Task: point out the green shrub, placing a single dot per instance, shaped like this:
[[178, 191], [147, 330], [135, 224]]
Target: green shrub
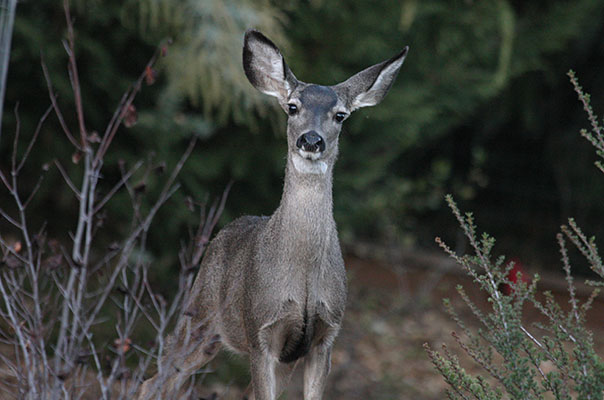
[[512, 354]]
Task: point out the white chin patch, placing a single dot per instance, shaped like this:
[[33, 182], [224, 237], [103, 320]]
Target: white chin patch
[[309, 155], [307, 163]]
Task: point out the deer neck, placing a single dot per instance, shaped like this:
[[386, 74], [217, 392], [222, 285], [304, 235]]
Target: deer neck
[[304, 219]]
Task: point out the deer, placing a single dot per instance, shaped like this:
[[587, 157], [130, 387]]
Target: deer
[[275, 288]]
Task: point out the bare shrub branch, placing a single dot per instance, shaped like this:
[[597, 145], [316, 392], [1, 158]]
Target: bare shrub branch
[[55, 296]]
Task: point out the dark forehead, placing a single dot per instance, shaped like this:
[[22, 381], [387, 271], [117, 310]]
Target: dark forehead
[[317, 96]]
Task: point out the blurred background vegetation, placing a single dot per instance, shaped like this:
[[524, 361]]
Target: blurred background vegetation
[[482, 109]]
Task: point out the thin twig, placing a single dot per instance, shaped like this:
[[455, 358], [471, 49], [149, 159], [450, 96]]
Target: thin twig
[[34, 138], [73, 75], [115, 188], [34, 191], [9, 218], [123, 106], [16, 140], [67, 179], [55, 106], [5, 181]]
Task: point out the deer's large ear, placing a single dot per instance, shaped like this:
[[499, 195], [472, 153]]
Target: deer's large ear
[[265, 67], [369, 87]]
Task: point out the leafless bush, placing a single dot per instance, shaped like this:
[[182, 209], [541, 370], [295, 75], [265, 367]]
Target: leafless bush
[[56, 296]]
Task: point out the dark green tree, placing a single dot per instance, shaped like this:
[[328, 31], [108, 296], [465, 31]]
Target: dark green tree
[[474, 112]]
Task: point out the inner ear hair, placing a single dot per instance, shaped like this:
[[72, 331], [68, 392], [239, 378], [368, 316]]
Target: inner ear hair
[[265, 66], [370, 86]]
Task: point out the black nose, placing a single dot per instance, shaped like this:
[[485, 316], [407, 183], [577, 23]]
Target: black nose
[[311, 141]]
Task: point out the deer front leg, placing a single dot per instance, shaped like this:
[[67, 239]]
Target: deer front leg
[[283, 373], [262, 366], [316, 368]]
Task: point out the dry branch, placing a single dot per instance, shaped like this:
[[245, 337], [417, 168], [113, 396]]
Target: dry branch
[[52, 298]]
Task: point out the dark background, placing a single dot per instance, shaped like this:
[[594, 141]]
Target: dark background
[[482, 109]]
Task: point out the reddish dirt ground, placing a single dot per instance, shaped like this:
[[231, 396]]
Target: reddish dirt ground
[[393, 309]]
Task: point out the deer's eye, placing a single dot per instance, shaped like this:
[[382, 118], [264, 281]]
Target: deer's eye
[[339, 117], [292, 109]]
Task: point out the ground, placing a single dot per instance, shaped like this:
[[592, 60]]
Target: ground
[[394, 308]]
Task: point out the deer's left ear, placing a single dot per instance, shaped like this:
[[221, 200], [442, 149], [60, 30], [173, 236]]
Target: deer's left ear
[[369, 87], [265, 67]]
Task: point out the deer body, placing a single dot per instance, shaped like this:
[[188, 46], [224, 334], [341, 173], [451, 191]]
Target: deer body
[[274, 288]]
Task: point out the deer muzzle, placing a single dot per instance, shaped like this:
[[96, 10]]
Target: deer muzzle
[[311, 142]]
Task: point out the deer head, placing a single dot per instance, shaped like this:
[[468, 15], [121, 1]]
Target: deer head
[[315, 112]]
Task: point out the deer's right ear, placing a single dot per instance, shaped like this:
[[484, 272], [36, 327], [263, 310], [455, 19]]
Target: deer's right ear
[[265, 67]]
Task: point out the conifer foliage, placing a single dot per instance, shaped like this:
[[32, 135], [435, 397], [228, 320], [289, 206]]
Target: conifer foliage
[[205, 67]]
